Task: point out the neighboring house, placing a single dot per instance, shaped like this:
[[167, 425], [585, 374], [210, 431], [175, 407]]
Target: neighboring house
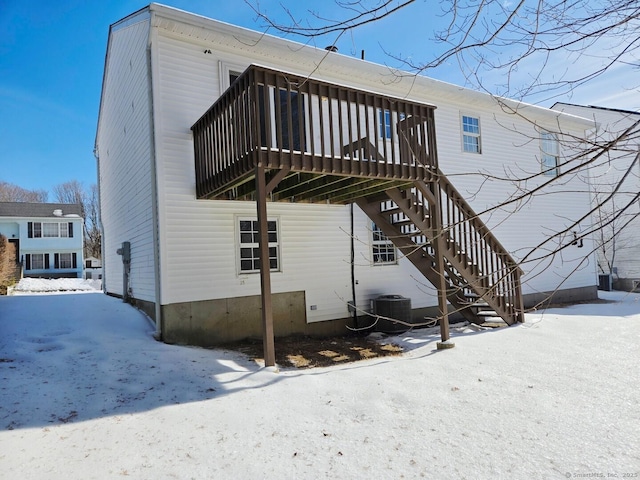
[[48, 237], [618, 169], [92, 268], [345, 152]]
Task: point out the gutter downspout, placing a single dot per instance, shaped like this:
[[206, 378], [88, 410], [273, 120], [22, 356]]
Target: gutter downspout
[[353, 270], [154, 187]]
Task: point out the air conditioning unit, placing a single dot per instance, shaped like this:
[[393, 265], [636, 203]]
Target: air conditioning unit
[[395, 307], [605, 282]]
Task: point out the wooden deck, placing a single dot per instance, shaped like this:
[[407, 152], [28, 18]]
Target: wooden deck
[[323, 142], [277, 136]]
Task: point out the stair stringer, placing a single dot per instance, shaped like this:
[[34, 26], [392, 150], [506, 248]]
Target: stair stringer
[[417, 254]]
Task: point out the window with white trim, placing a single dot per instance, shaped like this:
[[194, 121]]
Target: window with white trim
[[50, 229], [66, 260], [550, 153], [37, 261], [384, 117], [386, 120], [248, 235], [383, 249], [471, 134]]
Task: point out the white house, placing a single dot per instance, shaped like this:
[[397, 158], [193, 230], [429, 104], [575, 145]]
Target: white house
[[92, 268], [617, 170], [48, 237], [353, 168]]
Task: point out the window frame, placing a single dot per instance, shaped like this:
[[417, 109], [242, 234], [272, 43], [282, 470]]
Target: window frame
[[549, 161], [46, 230], [32, 261], [381, 242], [225, 70], [274, 246], [62, 261], [476, 136]]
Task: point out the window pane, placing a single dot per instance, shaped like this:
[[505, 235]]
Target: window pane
[[64, 230], [471, 144], [470, 124], [249, 239], [37, 261], [65, 260], [49, 229]]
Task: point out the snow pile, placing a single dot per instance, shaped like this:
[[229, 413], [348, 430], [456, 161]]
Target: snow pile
[[85, 392], [31, 286]]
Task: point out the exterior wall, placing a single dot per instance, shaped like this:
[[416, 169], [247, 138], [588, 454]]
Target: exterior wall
[[198, 245], [619, 240], [124, 149], [199, 256]]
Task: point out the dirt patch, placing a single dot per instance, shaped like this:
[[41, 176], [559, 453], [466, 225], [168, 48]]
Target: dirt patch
[[309, 352]]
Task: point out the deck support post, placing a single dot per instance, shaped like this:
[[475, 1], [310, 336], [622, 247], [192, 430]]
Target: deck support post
[[265, 270]]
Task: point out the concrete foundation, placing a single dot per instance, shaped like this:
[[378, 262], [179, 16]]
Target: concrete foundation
[[210, 323], [216, 322], [627, 284]]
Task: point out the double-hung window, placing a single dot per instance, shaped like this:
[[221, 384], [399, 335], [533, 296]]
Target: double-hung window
[[65, 260], [249, 252], [471, 134], [550, 153], [37, 261], [50, 229], [384, 252]]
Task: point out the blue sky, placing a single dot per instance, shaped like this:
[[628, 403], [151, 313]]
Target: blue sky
[[52, 57]]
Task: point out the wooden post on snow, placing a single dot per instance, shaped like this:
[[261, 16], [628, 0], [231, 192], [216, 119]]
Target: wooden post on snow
[[265, 270]]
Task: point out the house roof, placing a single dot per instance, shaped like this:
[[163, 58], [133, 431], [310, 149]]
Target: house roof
[[595, 107], [359, 73], [40, 210]]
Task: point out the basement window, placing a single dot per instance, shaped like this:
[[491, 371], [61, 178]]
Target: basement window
[[249, 253], [383, 249]]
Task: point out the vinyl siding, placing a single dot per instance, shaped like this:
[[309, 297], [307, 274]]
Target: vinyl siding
[[124, 150], [198, 245], [197, 239], [605, 175]]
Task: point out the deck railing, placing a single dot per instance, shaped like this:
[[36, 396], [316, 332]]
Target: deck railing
[[285, 121]]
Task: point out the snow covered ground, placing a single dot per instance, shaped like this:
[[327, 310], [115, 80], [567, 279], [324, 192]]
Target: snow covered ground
[[86, 393]]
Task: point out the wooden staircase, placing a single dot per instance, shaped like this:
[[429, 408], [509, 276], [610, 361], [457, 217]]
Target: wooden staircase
[[281, 137], [435, 228]]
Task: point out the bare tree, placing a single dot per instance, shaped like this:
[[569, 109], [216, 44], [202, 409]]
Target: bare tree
[[531, 51], [74, 192], [13, 193], [534, 48]]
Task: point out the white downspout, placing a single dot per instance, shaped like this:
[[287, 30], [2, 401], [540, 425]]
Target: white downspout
[[154, 185]]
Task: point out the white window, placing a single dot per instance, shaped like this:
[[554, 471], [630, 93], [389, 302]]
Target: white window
[[249, 251], [384, 116], [37, 261], [386, 120], [550, 153], [66, 260], [384, 252], [50, 229], [471, 134]]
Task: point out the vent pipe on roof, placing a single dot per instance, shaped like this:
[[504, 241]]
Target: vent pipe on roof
[[57, 212]]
